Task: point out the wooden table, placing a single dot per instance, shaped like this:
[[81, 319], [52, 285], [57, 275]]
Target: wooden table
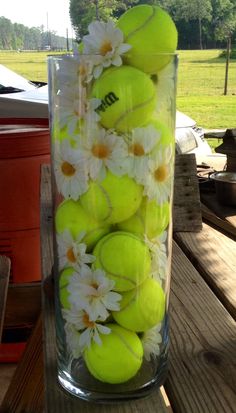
[[202, 359]]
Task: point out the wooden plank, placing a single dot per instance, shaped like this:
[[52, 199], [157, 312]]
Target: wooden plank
[[224, 212], [187, 206], [23, 304], [26, 390], [7, 371], [213, 254], [58, 400], [202, 372], [221, 224], [4, 280]]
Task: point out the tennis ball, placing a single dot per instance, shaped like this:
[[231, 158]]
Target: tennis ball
[[128, 98], [150, 31], [71, 216], [124, 257], [118, 358], [141, 308], [150, 219], [113, 199], [166, 136], [63, 284]]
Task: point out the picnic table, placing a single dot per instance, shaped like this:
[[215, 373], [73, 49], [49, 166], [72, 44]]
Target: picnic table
[[202, 357]]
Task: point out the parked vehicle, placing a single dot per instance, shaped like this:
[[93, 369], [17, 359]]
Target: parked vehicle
[[20, 97]]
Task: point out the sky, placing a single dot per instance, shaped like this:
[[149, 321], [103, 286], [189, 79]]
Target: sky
[[52, 14]]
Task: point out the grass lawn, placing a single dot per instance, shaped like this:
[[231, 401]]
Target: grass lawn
[[201, 76]]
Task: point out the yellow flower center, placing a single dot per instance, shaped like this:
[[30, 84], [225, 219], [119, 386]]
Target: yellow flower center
[[70, 255], [137, 149], [87, 322], [67, 169], [105, 48], [100, 151], [161, 173]]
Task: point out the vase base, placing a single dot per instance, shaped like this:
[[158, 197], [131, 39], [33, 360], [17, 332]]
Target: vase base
[[92, 390]]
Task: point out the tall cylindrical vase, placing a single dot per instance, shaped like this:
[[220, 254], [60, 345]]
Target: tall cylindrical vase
[[113, 145]]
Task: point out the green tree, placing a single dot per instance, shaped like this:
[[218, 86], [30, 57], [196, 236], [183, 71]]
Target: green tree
[[6, 33], [84, 12], [194, 10]]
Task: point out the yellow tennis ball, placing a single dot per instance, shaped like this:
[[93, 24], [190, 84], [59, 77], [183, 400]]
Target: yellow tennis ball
[[72, 217], [128, 98], [125, 258], [150, 31], [63, 284], [118, 358], [141, 308], [150, 219], [113, 199], [166, 136]]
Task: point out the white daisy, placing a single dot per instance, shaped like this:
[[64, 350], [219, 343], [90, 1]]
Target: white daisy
[[103, 149], [140, 145], [74, 107], [72, 252], [105, 42], [158, 181], [70, 171], [158, 251], [91, 330], [74, 70], [92, 291], [72, 340], [151, 341]]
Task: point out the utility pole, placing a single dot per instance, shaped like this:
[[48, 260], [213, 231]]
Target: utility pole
[[227, 64], [67, 41]]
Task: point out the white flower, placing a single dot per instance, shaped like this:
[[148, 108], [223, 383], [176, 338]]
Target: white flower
[[72, 340], [74, 70], [70, 171], [91, 330], [92, 292], [105, 42], [71, 252], [158, 181], [157, 247], [140, 145], [74, 108], [103, 149], [151, 341]]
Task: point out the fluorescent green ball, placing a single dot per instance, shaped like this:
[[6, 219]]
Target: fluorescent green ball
[[112, 200], [72, 217], [128, 98], [150, 219], [118, 358], [63, 284], [141, 308], [125, 258], [166, 135], [150, 31]]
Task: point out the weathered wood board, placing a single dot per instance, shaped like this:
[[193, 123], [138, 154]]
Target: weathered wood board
[[186, 205], [202, 372]]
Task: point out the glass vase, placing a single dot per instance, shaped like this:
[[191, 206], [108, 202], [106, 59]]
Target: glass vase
[[112, 151]]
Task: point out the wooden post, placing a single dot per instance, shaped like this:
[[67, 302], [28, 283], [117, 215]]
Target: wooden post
[[227, 64]]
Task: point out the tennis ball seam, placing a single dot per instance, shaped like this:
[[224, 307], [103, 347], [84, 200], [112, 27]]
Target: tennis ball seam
[[133, 109], [119, 276], [142, 25], [109, 204], [126, 344]]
